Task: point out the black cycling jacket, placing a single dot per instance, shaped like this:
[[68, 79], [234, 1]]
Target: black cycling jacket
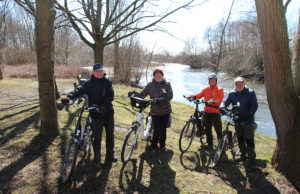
[[99, 92]]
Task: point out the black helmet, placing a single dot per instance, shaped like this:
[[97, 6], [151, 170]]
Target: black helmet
[[212, 76]]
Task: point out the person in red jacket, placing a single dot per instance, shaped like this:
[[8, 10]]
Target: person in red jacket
[[214, 95]]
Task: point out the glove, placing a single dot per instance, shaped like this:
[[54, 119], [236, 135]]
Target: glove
[[222, 110], [65, 100], [156, 101], [132, 94], [102, 110], [164, 94]]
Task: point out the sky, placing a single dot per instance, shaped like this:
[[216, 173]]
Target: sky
[[191, 24]]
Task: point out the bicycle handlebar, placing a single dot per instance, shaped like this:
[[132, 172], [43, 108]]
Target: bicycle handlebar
[[232, 113], [197, 101], [94, 107]]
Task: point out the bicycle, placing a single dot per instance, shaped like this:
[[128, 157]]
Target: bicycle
[[227, 140], [188, 131], [130, 142], [80, 139]]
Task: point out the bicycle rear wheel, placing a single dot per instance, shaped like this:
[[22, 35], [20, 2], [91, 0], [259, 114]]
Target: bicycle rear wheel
[[128, 146], [220, 150], [69, 160], [187, 135]]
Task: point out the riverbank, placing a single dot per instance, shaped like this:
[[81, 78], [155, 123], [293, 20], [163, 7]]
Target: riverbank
[[185, 81], [31, 163]]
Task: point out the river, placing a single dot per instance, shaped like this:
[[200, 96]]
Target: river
[[185, 81]]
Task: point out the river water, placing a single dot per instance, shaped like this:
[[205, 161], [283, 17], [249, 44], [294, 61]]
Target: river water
[[185, 81]]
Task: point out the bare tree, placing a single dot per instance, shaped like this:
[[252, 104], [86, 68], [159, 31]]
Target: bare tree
[[192, 50], [3, 13], [282, 98], [45, 16], [98, 22], [222, 38]]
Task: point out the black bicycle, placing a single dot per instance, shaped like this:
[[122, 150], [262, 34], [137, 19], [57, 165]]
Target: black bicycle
[[80, 139], [189, 130], [227, 140]]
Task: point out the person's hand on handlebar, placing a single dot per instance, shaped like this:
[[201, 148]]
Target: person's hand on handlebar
[[210, 102], [132, 94]]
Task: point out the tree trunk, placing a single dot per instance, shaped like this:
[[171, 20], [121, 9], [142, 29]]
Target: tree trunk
[[98, 52], [1, 76], [296, 60], [45, 15], [281, 93], [117, 65]]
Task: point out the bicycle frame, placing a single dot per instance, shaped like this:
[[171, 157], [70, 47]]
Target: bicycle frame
[[139, 125]]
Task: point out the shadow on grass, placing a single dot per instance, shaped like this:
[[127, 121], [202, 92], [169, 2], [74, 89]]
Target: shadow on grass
[[20, 112], [34, 150], [86, 179], [162, 177], [252, 181], [18, 128], [196, 162], [34, 101]]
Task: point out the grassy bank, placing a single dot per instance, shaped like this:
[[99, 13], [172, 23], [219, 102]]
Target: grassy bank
[[31, 163]]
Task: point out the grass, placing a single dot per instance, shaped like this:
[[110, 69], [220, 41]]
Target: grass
[[31, 163]]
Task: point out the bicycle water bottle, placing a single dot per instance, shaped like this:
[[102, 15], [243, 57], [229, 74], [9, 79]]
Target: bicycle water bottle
[[149, 123]]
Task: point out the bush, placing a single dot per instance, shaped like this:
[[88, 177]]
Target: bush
[[17, 56], [30, 71]]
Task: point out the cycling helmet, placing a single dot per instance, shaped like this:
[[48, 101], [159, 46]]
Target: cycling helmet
[[212, 76]]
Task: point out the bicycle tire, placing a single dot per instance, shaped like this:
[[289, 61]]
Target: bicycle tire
[[69, 160], [187, 135], [220, 150], [88, 142], [128, 146]]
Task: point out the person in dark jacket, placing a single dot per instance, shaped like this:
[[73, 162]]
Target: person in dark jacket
[[245, 125], [100, 92], [160, 112]]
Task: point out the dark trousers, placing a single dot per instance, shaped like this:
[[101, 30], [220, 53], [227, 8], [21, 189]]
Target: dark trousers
[[209, 121], [245, 135], [160, 130], [97, 128]]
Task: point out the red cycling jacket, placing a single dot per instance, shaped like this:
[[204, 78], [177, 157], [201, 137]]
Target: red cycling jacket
[[216, 93]]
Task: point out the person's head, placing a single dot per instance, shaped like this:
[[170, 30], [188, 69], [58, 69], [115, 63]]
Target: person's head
[[239, 84], [158, 75], [212, 79], [98, 70]]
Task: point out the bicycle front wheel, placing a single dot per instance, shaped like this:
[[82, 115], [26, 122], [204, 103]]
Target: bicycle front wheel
[[187, 135], [220, 150], [69, 161], [128, 146]]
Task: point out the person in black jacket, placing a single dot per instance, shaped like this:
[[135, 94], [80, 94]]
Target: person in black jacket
[[100, 92], [245, 125]]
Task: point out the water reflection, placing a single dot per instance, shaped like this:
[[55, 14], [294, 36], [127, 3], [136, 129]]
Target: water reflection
[[185, 80]]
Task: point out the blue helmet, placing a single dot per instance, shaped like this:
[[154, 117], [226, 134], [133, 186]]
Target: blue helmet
[[212, 76]]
